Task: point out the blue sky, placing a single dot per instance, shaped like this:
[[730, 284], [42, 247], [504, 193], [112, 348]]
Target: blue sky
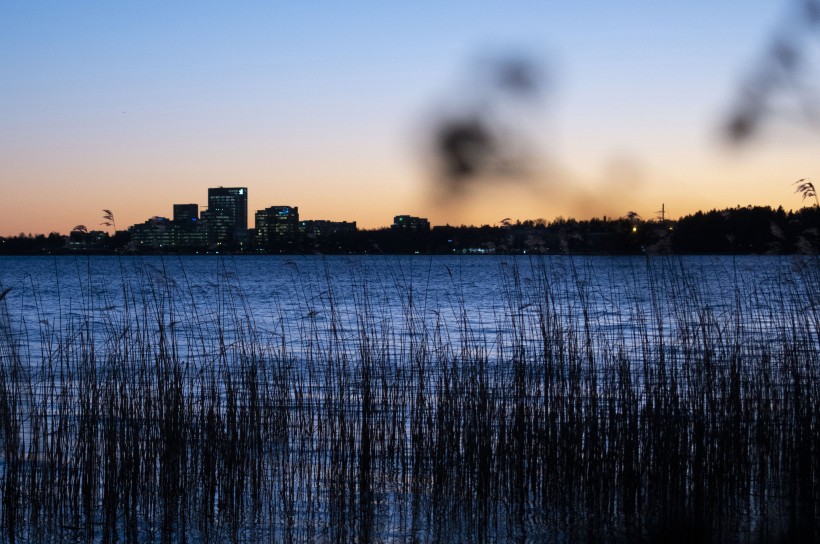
[[135, 106]]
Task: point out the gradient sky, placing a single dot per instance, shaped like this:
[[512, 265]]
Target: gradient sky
[[328, 105]]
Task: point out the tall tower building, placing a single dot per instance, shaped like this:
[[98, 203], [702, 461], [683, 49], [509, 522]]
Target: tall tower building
[[227, 215]]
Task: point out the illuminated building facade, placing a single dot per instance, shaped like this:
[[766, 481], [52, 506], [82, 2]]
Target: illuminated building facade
[[410, 223], [227, 216], [277, 225]]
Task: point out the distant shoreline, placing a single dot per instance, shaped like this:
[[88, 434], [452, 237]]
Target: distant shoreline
[[751, 230]]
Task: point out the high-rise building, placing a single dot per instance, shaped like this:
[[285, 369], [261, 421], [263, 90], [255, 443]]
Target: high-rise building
[[410, 223], [156, 233], [159, 233], [227, 215], [189, 232], [186, 213], [277, 225]]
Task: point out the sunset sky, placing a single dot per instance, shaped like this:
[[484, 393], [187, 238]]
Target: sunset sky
[[329, 106]]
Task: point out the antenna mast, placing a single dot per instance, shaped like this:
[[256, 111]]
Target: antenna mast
[[662, 213]]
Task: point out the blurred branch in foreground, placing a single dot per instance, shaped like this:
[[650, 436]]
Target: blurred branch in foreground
[[481, 135], [784, 83]]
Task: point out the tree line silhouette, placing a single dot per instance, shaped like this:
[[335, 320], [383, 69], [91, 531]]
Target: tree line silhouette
[[740, 230]]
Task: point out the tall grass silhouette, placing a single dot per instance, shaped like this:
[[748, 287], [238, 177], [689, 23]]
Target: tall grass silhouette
[[153, 413]]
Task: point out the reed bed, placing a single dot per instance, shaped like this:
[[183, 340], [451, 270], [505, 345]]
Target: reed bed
[[143, 414]]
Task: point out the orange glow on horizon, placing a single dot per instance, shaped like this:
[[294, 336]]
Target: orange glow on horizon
[[37, 208]]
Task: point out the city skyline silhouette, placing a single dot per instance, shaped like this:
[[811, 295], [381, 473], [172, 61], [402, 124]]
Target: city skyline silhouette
[[463, 114]]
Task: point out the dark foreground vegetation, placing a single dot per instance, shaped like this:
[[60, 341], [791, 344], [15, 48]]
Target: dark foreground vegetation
[[734, 231], [159, 419]]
